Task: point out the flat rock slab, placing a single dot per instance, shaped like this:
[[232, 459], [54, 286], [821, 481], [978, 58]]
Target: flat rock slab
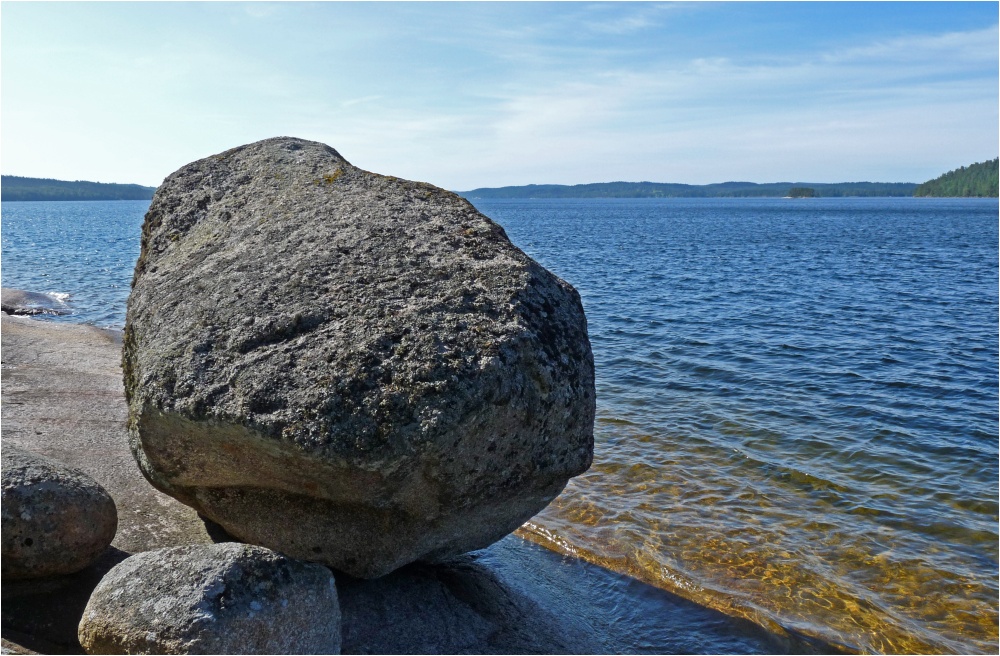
[[348, 367], [63, 398], [56, 520], [213, 599]]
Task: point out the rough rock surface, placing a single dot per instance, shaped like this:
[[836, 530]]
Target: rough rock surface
[[217, 599], [347, 367], [56, 519]]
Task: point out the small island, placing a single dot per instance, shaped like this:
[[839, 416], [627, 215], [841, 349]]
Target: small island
[[801, 192]]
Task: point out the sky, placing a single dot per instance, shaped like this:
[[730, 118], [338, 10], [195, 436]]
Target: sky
[[467, 95]]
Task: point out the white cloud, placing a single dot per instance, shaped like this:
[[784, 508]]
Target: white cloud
[[948, 49], [490, 102], [853, 114], [260, 10], [359, 101]]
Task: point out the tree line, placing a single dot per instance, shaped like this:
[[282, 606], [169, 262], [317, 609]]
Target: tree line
[[14, 187], [980, 179]]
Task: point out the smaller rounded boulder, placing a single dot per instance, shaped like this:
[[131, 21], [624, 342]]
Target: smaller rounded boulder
[[225, 598], [56, 520]]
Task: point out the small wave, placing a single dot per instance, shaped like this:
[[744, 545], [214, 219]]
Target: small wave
[[617, 421], [793, 347], [550, 539], [62, 297]]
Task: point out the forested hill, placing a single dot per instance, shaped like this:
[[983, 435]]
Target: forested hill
[[979, 179], [673, 190], [13, 187]]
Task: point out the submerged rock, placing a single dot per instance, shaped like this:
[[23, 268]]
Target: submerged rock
[[17, 301], [215, 599], [456, 607], [55, 519], [348, 367]]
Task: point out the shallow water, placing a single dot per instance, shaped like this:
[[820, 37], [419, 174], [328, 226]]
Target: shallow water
[[797, 408], [797, 400], [80, 252]]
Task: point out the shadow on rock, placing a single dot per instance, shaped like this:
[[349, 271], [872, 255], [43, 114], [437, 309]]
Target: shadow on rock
[[43, 614], [459, 607], [215, 532]]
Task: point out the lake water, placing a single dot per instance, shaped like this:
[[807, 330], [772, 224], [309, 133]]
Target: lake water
[[80, 251], [797, 414]]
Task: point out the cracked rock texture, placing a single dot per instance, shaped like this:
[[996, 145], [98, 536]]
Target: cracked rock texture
[[56, 520], [213, 599], [347, 367]]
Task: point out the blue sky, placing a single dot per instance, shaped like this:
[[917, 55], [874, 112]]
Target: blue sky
[[468, 95]]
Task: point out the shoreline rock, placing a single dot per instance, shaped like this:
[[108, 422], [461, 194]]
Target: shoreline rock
[[56, 520], [213, 599], [63, 399], [457, 607]]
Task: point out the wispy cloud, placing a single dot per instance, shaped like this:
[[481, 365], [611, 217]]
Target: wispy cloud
[[351, 102], [947, 49], [633, 17], [634, 21], [466, 95], [790, 118], [838, 114], [260, 10]]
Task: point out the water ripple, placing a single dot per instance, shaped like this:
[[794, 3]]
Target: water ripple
[[797, 408], [797, 401]]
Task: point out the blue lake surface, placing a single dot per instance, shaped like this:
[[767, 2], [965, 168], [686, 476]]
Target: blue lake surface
[[80, 251], [797, 413]]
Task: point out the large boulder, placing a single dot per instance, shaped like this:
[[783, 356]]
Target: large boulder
[[347, 367], [56, 520], [215, 599]]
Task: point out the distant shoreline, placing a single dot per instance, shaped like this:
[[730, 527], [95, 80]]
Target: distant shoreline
[[17, 188], [676, 190], [977, 180]]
